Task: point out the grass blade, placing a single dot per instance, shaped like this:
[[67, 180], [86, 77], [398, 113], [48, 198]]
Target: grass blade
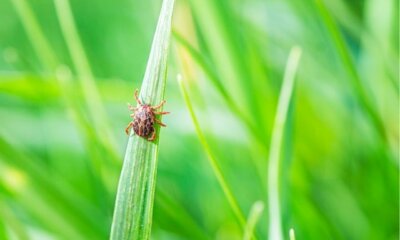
[[52, 194], [35, 34], [82, 66], [214, 79], [275, 229], [180, 216], [213, 162], [351, 70], [14, 225], [292, 235], [200, 60], [255, 214], [135, 196], [49, 61]]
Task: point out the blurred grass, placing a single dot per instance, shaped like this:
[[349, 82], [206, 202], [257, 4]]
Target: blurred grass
[[292, 235], [339, 173], [254, 215], [84, 73], [348, 64], [212, 160], [274, 159]]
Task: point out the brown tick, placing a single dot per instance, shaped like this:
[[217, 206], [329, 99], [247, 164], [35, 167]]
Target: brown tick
[[144, 118]]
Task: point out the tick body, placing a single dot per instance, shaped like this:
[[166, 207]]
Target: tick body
[[144, 118]]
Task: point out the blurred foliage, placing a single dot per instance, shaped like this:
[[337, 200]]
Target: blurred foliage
[[339, 171]]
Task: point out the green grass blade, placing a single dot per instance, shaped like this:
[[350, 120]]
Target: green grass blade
[[180, 216], [14, 225], [275, 229], [66, 205], [49, 61], [222, 48], [213, 162], [3, 219], [349, 66], [135, 196], [257, 136], [292, 235], [36, 36], [255, 214], [199, 58], [213, 77], [82, 66]]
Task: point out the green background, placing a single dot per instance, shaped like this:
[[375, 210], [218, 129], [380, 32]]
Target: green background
[[340, 157]]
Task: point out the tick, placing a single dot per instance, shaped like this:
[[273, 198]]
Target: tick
[[144, 118]]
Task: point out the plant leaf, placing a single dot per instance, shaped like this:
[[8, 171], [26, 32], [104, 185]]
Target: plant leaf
[[135, 196], [292, 235], [86, 78], [212, 160], [254, 216], [275, 228], [351, 69]]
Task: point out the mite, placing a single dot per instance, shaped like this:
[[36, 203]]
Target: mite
[[144, 118]]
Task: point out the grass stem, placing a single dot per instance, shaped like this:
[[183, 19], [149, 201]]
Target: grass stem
[[292, 235], [135, 196], [275, 228], [213, 162], [254, 216], [351, 70], [85, 75]]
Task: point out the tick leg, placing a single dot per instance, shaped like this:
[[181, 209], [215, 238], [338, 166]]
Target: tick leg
[[153, 136], [128, 128], [159, 122], [137, 97], [130, 107], [161, 113], [159, 105]]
